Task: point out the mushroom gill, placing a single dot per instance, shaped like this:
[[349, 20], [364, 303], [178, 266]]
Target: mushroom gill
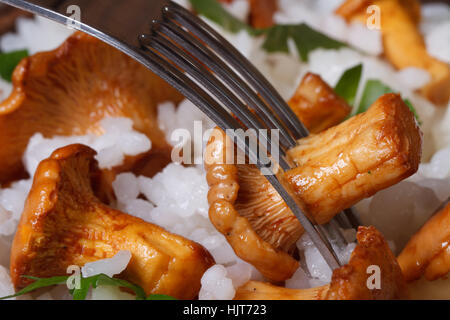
[[348, 282], [69, 90], [249, 212], [64, 223]]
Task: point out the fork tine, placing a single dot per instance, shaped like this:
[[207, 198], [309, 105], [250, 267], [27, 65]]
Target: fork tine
[[207, 80], [232, 56], [192, 91], [228, 76], [352, 218]]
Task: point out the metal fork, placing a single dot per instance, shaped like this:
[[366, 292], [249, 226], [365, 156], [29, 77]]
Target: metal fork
[[209, 71]]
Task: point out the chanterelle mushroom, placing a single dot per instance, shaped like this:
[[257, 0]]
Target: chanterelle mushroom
[[65, 224], [261, 12], [348, 282], [317, 105], [253, 207], [428, 251], [69, 90], [335, 169], [403, 44], [249, 212], [353, 160]]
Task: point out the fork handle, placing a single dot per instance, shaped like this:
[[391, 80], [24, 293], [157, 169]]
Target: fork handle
[[117, 22]]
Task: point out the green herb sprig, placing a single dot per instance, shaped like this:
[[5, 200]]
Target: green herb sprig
[[373, 90], [85, 286], [9, 61], [305, 38], [347, 88]]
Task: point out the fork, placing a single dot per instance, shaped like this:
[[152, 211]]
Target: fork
[[209, 71]]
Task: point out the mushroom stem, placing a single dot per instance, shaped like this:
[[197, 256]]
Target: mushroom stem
[[353, 160], [255, 290]]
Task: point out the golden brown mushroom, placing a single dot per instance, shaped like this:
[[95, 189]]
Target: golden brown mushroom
[[261, 12], [69, 90], [335, 169], [257, 290], [351, 8], [317, 105], [355, 159], [348, 282], [428, 252], [403, 44], [65, 224], [249, 212], [243, 201]]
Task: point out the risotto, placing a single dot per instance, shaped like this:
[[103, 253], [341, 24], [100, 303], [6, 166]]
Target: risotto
[[176, 198]]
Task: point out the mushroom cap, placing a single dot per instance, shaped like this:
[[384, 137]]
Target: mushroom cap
[[350, 282], [65, 224], [69, 90]]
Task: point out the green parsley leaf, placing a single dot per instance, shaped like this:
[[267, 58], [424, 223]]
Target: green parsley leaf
[[37, 284], [373, 90], [277, 39], [86, 284], [348, 84], [214, 11], [305, 38], [108, 281], [102, 279], [9, 61], [411, 107]]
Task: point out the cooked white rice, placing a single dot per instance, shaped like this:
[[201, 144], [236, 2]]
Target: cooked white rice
[[176, 198]]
